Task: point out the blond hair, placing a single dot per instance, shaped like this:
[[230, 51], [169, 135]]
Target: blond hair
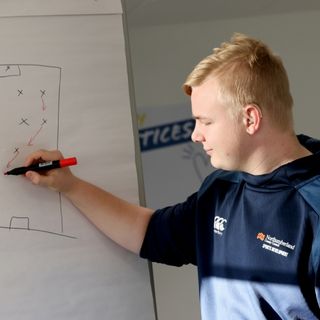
[[248, 73]]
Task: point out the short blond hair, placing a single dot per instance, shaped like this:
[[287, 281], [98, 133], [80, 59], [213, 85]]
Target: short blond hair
[[247, 72]]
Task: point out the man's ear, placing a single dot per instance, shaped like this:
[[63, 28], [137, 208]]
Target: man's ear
[[252, 117]]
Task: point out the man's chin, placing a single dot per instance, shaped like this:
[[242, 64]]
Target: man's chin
[[221, 166], [215, 164]]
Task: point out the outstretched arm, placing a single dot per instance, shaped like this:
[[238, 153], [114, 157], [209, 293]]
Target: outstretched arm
[[123, 222]]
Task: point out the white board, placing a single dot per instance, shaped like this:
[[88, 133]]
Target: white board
[[63, 83]]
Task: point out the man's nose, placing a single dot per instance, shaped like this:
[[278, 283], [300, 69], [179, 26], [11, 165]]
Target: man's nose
[[196, 135]]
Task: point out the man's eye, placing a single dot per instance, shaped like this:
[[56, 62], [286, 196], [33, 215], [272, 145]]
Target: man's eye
[[204, 122]]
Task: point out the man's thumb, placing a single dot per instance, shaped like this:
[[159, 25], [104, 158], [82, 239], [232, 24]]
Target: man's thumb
[[33, 177]]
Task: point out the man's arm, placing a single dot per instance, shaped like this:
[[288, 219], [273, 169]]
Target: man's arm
[[123, 222]]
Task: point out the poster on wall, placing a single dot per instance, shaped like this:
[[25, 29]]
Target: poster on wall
[[173, 166]]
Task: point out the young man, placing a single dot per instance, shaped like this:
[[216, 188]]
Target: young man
[[253, 227]]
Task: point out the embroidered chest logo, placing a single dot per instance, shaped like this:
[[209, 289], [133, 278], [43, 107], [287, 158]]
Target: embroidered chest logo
[[219, 225], [275, 245]]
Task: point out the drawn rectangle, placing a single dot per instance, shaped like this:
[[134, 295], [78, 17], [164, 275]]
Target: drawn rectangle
[[30, 96]]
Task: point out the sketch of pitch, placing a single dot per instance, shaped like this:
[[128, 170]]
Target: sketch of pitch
[[30, 104]]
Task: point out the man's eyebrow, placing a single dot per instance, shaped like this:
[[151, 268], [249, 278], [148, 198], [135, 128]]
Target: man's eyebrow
[[200, 117]]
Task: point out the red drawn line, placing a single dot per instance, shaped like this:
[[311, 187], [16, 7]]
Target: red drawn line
[[30, 143], [44, 107], [14, 158]]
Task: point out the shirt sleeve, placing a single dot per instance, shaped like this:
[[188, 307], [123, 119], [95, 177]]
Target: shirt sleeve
[[171, 235]]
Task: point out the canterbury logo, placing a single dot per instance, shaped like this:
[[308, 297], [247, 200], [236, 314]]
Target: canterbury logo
[[219, 224]]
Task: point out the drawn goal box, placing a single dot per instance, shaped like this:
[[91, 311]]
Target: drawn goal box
[[30, 98]]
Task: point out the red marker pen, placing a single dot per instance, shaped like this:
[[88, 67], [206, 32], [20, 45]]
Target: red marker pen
[[41, 166]]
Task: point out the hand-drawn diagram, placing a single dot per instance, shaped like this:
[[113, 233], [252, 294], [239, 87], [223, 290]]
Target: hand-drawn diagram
[[30, 102]]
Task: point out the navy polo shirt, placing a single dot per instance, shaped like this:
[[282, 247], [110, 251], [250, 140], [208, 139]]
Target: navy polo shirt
[[254, 239]]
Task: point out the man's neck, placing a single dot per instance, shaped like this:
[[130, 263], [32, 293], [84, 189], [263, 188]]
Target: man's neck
[[274, 152]]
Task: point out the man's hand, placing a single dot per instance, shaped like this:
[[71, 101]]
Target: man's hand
[[60, 180]]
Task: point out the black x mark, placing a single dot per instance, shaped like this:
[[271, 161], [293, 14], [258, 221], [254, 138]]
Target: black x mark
[[24, 121]]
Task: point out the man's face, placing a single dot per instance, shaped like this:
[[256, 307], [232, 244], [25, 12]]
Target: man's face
[[222, 136]]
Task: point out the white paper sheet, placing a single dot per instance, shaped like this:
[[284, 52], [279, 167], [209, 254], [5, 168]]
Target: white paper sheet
[[63, 82]]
